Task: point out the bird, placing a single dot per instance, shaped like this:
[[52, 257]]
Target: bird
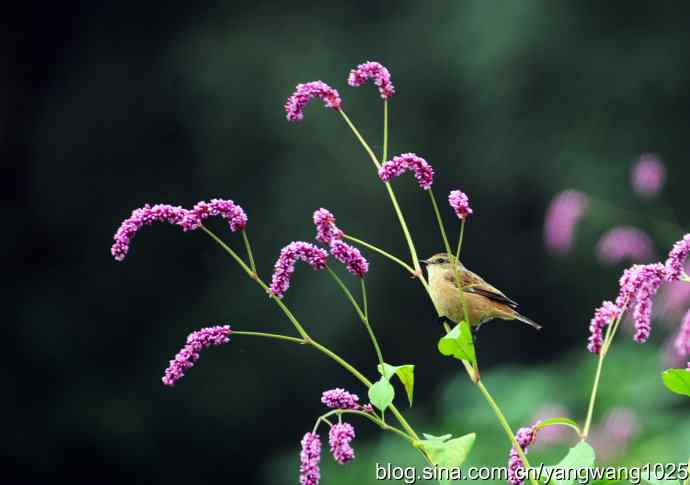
[[484, 301]]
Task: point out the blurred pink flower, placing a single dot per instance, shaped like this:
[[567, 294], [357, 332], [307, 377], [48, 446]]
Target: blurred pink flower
[[551, 434], [674, 299], [562, 216], [648, 175], [682, 342], [625, 243], [612, 437]]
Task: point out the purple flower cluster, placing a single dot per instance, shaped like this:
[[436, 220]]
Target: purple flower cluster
[[189, 220], [339, 398], [638, 285], [326, 230], [562, 217], [624, 243], [189, 354], [328, 233], [603, 316], [285, 265], [294, 106], [310, 456], [647, 175], [460, 203], [524, 437], [423, 172], [375, 71], [339, 438], [676, 259], [682, 341]]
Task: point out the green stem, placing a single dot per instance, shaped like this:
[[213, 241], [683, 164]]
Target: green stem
[[462, 233], [608, 338], [394, 200], [362, 316], [386, 254], [384, 156], [373, 418], [687, 480], [270, 335], [506, 427], [248, 246], [364, 298]]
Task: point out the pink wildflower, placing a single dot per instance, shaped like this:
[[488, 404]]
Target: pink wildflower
[[682, 342], [375, 71], [310, 456], [524, 437], [340, 399], [603, 316], [460, 203], [647, 175], [189, 354], [285, 265], [294, 106], [326, 230], [624, 243], [563, 214], [339, 438], [423, 172], [350, 256], [676, 259]]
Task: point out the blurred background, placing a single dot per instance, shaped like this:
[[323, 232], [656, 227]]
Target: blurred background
[[105, 107]]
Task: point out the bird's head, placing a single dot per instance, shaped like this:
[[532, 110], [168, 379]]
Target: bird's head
[[439, 262]]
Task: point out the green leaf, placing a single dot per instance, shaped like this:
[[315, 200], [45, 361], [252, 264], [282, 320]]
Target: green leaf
[[580, 456], [459, 343], [558, 421], [447, 453], [431, 437], [381, 394], [677, 380], [404, 372], [650, 477]]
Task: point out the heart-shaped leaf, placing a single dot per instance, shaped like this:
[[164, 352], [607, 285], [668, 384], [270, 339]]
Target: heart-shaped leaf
[[677, 380], [459, 343], [381, 394], [404, 372], [581, 456], [445, 452]]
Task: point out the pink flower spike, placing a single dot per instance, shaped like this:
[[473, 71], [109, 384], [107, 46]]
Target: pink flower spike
[[285, 265], [310, 456], [638, 285], [189, 354], [676, 259], [460, 203], [326, 230], [350, 256], [339, 438], [423, 172], [682, 341], [340, 399], [375, 71], [563, 214], [648, 175], [525, 437], [146, 215], [606, 314], [227, 209], [625, 243], [294, 106]]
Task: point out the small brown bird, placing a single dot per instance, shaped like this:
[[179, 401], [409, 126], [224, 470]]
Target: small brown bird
[[484, 302]]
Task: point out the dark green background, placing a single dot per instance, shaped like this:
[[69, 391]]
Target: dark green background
[[107, 107]]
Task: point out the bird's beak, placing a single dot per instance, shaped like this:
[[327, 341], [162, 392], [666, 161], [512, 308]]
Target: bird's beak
[[425, 262]]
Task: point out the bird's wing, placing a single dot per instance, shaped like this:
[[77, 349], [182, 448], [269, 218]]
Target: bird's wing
[[474, 283]]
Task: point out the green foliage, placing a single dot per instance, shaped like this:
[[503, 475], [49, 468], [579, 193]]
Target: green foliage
[[404, 372], [458, 343], [580, 457], [446, 452], [558, 421], [381, 394], [677, 380]]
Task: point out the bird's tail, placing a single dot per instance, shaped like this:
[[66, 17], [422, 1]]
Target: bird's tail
[[529, 322]]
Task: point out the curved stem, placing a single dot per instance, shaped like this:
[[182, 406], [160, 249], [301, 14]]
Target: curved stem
[[248, 246], [608, 338], [362, 316], [359, 137], [270, 335], [506, 427], [386, 254]]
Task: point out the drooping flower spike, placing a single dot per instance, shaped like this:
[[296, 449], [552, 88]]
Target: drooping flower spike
[[604, 316], [563, 214], [676, 259], [189, 354], [339, 438], [339, 398], [310, 456], [294, 106], [400, 164], [285, 265], [525, 437], [624, 243], [189, 220], [460, 203], [377, 72], [638, 285], [648, 175], [328, 233]]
